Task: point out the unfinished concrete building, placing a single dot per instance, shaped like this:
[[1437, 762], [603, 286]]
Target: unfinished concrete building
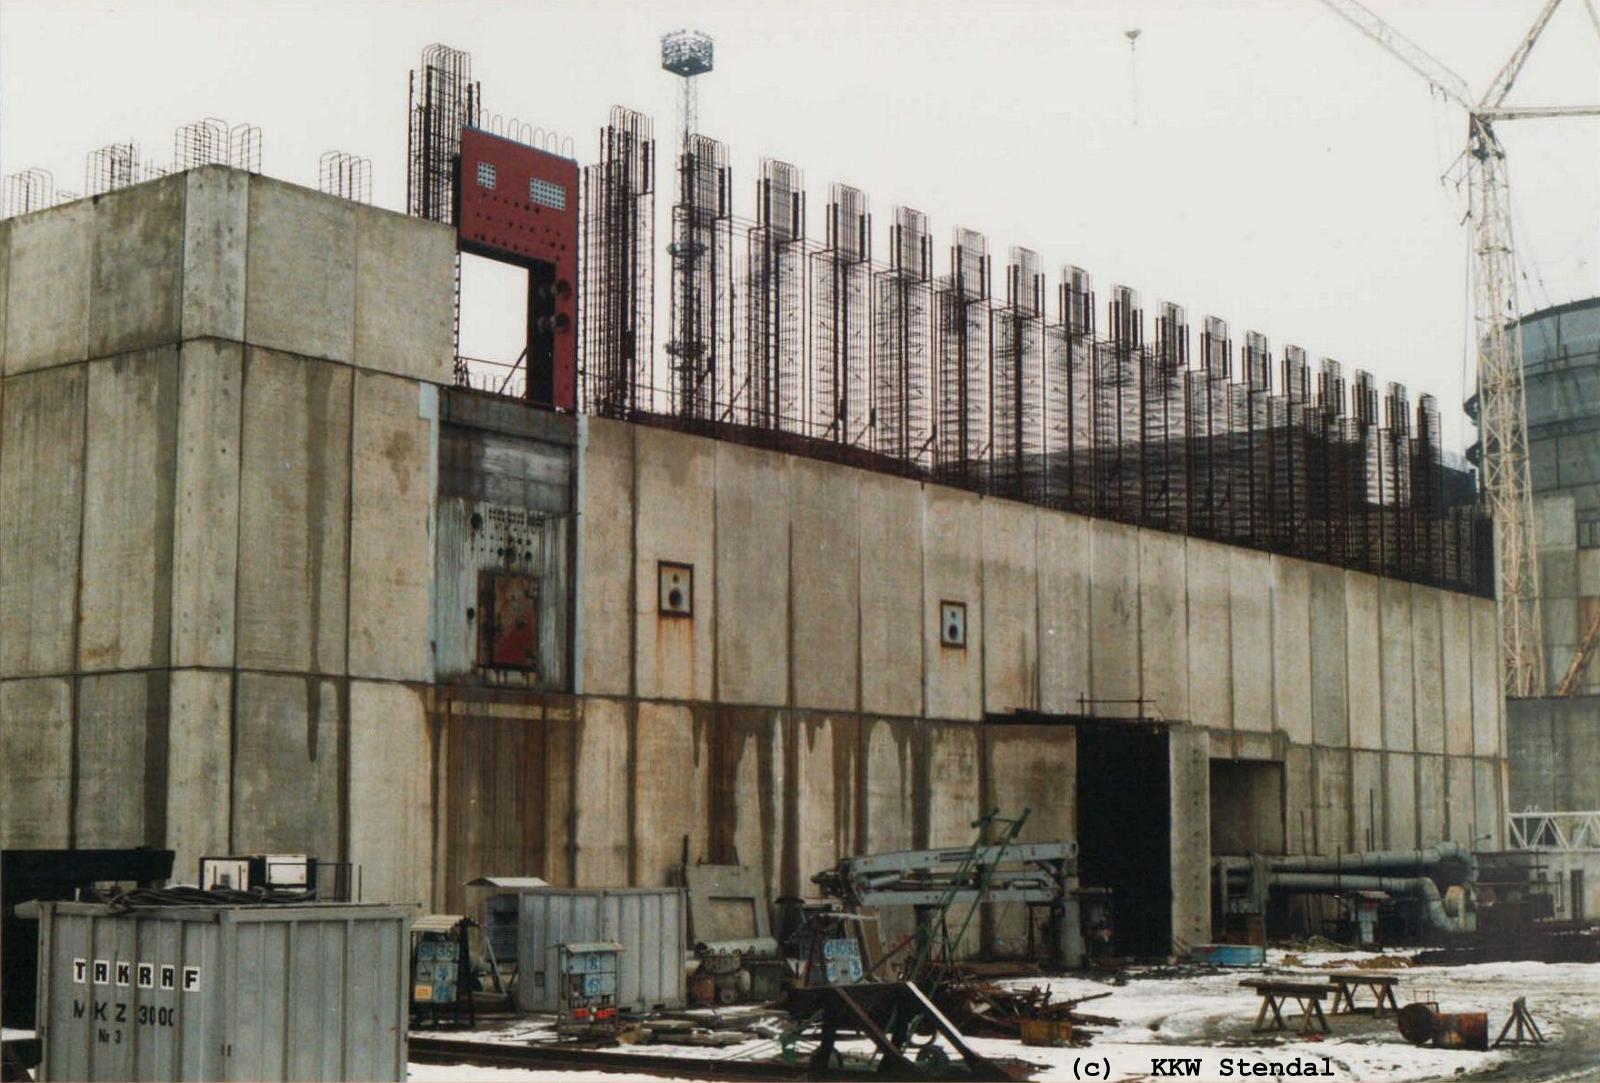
[[270, 581]]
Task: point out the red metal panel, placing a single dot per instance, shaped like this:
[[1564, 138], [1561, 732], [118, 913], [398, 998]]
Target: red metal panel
[[519, 204]]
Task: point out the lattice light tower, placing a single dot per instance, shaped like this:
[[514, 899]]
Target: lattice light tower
[[686, 54]]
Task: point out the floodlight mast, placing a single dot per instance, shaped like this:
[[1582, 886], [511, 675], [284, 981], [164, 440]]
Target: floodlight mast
[[688, 55], [1500, 406]]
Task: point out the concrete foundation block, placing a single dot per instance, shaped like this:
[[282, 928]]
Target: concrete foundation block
[[215, 228], [205, 523], [294, 514], [1368, 829], [300, 277], [41, 509], [36, 747], [1400, 800], [137, 298], [1432, 812], [1331, 781], [125, 589], [391, 523], [1489, 804], [1298, 800], [1460, 807], [47, 311], [404, 278], [391, 797]]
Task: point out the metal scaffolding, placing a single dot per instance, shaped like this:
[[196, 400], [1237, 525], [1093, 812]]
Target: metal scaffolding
[[619, 231]]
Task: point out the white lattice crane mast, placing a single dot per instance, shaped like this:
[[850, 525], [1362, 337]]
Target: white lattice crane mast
[[1502, 412]]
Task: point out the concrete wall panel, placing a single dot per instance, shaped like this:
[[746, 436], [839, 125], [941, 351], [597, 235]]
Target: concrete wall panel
[[215, 227], [1455, 625], [1253, 642], [748, 784], [671, 789], [1298, 800], [294, 514], [1397, 665], [391, 525], [36, 749], [300, 273], [1293, 691], [121, 752], [5, 287], [893, 609], [1114, 669], [825, 585], [1367, 800], [1363, 681], [391, 793], [1330, 719], [890, 751], [404, 314], [1010, 607], [125, 600], [1026, 767], [1063, 548], [199, 748], [752, 614], [1401, 814], [1427, 681], [824, 794], [1575, 741], [1489, 809], [1460, 807], [605, 547], [675, 490], [205, 526], [289, 774], [1331, 781], [41, 504], [952, 545], [1189, 750], [137, 297], [1164, 623], [47, 311], [954, 792], [1431, 809], [599, 784], [1487, 701]]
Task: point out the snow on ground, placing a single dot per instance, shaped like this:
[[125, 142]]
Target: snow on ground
[[1206, 1016]]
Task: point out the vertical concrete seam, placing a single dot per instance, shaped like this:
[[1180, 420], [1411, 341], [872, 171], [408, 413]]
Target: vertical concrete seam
[[77, 603]]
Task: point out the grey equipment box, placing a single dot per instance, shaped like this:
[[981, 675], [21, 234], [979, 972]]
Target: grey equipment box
[[649, 923], [315, 991]]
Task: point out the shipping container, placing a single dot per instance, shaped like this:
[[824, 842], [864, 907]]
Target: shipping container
[[222, 992], [649, 923]]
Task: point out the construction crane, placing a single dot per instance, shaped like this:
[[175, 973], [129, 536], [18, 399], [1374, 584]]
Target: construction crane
[[1500, 409]]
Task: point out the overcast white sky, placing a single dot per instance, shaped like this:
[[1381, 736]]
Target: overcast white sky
[[1284, 172]]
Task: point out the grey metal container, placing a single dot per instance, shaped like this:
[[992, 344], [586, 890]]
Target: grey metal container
[[223, 993], [649, 923]]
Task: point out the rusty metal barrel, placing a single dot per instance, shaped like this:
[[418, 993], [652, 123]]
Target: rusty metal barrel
[[1421, 1023]]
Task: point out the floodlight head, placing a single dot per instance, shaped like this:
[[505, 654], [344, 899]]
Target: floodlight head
[[686, 53]]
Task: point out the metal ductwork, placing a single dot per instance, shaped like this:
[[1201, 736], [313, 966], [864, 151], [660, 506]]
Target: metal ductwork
[[1416, 887]]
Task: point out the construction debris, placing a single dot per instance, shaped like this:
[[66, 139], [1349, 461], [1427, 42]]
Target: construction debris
[[986, 1010]]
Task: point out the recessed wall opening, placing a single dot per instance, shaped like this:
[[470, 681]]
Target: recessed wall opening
[[494, 323], [1125, 830], [1246, 807]]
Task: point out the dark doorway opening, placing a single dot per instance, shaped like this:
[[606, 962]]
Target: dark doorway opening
[[1125, 829]]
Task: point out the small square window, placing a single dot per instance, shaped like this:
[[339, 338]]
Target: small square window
[[953, 624], [675, 589], [547, 194], [486, 175]]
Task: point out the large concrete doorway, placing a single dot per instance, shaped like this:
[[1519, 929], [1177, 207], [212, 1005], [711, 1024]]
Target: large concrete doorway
[[1125, 829]]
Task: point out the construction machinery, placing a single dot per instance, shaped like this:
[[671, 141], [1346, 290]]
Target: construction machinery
[[1498, 407]]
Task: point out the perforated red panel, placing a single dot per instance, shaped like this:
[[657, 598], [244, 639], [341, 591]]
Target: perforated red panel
[[519, 204]]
